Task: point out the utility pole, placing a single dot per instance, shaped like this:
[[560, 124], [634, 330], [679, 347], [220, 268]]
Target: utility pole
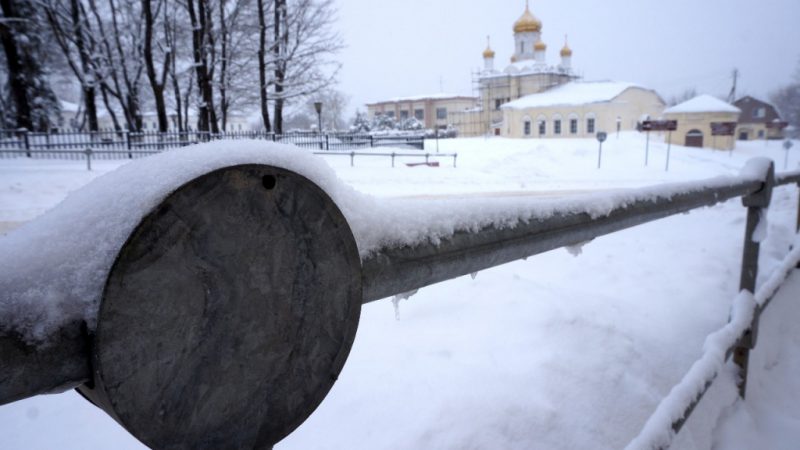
[[732, 95]]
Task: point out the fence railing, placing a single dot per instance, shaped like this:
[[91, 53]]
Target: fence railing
[[394, 156], [128, 144], [391, 270]]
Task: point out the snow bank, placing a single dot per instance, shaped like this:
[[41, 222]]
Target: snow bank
[[657, 432]]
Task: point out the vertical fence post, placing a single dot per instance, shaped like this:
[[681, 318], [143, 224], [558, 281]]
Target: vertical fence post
[[352, 158], [455, 155], [128, 143], [392, 159], [27, 141], [756, 205], [797, 228], [88, 153], [327, 142]]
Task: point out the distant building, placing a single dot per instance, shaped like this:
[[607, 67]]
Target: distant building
[[433, 111], [528, 73], [753, 121], [72, 118], [579, 110], [695, 117]]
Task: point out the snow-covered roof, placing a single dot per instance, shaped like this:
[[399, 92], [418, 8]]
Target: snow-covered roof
[[702, 103], [573, 93], [417, 98]]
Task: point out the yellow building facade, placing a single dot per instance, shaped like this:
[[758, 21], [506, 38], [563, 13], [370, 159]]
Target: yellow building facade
[[580, 110], [695, 117]]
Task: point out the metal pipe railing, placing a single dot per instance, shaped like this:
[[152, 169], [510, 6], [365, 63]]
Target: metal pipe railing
[[393, 270]]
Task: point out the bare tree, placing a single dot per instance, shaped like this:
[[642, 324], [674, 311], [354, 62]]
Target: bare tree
[[304, 42], [157, 80], [73, 35], [787, 100], [199, 15], [33, 102], [687, 94], [263, 83], [119, 30]]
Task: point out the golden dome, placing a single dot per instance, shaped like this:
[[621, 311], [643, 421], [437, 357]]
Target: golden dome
[[488, 53], [527, 23], [540, 46], [566, 51]]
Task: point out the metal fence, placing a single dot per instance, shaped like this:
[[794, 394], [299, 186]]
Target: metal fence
[[111, 144]]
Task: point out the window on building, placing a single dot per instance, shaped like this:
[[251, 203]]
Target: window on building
[[761, 133], [403, 115], [527, 125], [441, 113], [573, 126], [390, 114], [419, 114], [590, 125], [542, 127], [759, 113], [557, 126]]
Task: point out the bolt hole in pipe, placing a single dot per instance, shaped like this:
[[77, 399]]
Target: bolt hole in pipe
[[269, 182]]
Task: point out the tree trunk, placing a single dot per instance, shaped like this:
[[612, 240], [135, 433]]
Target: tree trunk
[[206, 120], [156, 85], [88, 82], [16, 76], [262, 67], [281, 36]]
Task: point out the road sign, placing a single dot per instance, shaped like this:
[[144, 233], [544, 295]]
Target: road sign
[[601, 136], [658, 125], [723, 128], [787, 144]]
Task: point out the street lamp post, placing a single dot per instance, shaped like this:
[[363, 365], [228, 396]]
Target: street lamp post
[[318, 108], [787, 145]]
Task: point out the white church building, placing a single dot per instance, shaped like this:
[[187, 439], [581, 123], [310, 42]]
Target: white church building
[[533, 98]]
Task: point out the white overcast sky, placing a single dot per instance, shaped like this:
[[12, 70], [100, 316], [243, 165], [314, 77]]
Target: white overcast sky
[[414, 47]]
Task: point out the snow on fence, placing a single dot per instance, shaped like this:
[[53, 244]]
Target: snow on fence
[[260, 260]]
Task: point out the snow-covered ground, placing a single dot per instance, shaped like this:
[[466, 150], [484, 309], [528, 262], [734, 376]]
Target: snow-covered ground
[[555, 352]]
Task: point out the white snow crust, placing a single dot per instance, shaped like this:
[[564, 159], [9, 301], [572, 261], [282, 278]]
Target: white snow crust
[[574, 93], [701, 104]]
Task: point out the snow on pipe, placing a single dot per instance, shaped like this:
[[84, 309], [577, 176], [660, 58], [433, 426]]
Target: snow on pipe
[[403, 268], [156, 295]]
